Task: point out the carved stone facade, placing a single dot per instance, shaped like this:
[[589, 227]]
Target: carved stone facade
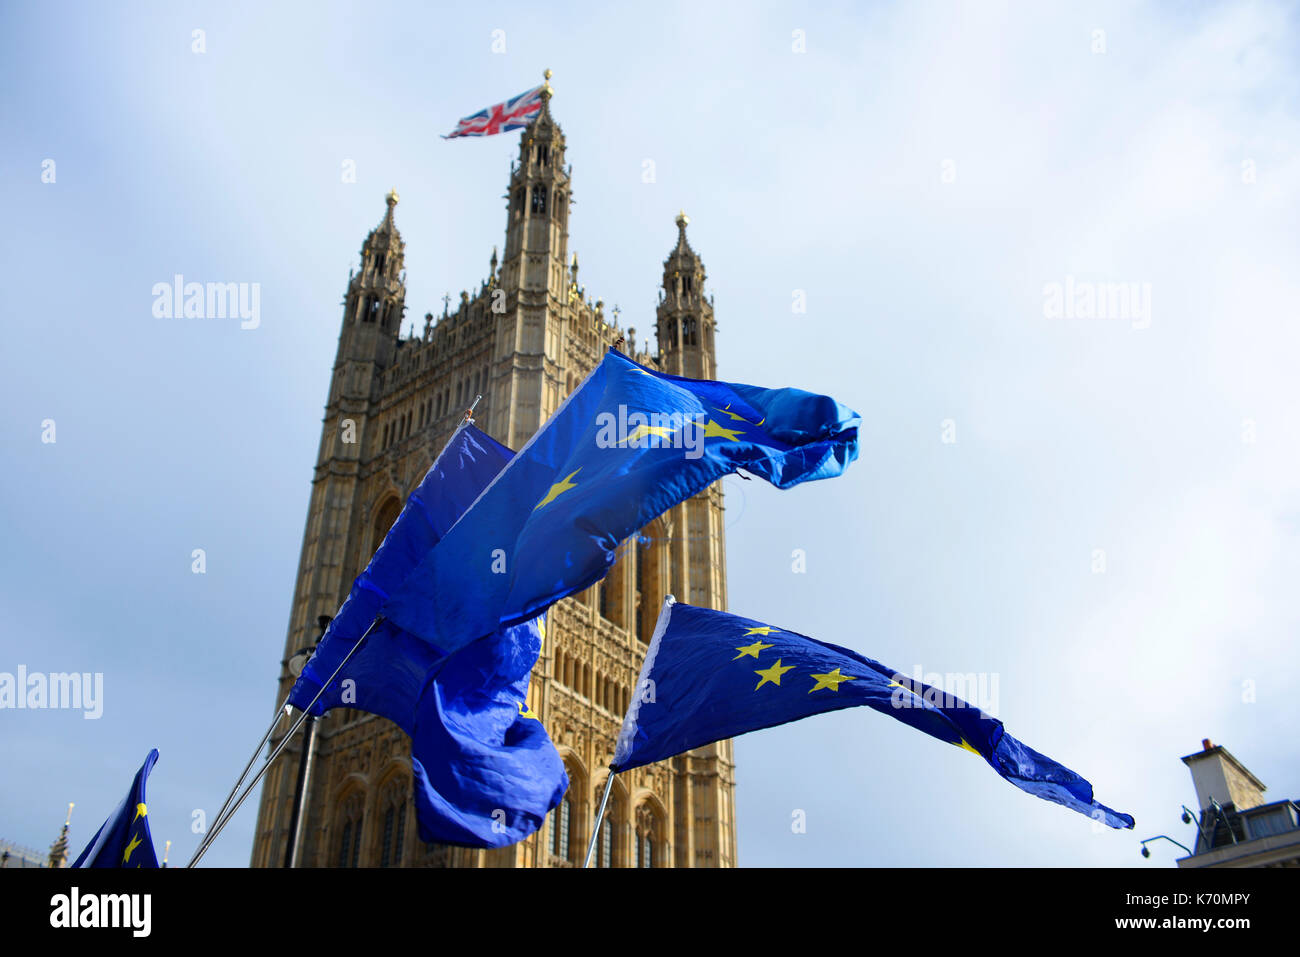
[[523, 340]]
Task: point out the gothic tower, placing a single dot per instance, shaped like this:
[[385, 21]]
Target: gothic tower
[[523, 339]]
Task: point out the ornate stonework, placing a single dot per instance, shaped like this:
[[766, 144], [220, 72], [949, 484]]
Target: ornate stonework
[[523, 340]]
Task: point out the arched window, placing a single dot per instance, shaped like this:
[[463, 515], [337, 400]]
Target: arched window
[[561, 817], [384, 520], [394, 830], [350, 818], [539, 199], [647, 836]]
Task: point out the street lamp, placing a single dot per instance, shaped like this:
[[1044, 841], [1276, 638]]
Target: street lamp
[[1162, 837]]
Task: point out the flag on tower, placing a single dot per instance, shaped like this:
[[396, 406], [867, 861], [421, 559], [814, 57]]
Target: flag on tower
[[124, 840], [513, 114], [709, 675], [625, 446]]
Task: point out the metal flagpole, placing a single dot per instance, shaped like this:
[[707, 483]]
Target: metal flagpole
[[284, 742], [247, 767], [591, 845], [297, 820], [221, 822], [660, 625]]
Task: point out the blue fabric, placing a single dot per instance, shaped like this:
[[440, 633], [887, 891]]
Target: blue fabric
[[485, 772], [124, 839], [710, 675], [388, 674], [549, 525]]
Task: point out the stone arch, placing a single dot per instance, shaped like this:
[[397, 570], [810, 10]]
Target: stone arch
[[348, 830], [387, 508], [393, 809], [566, 823], [613, 842], [649, 831]]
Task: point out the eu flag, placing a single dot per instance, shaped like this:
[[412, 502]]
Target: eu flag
[[388, 673], [485, 771], [709, 675], [625, 446], [124, 840]]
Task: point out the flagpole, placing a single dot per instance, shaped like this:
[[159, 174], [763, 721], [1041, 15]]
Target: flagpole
[[221, 822], [634, 705], [591, 845], [279, 712], [284, 742]]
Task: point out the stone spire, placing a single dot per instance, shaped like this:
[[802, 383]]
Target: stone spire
[[685, 317], [59, 849], [537, 224]]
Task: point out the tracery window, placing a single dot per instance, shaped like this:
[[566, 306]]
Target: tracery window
[[539, 199], [560, 820], [394, 831], [350, 819], [647, 836]]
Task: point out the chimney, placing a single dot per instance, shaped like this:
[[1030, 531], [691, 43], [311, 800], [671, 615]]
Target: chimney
[[1218, 776]]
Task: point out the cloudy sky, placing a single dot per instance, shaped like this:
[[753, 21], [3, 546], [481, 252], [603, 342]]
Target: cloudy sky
[[1100, 514]]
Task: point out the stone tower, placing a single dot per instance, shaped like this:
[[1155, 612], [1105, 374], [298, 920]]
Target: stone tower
[[523, 339]]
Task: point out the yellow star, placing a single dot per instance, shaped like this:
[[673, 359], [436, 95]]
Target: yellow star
[[831, 680], [714, 431], [772, 674], [558, 489], [751, 650], [140, 811], [529, 713], [135, 842], [736, 417], [967, 747], [898, 684], [761, 630], [662, 431]]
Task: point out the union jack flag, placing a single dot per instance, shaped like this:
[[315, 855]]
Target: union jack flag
[[513, 114]]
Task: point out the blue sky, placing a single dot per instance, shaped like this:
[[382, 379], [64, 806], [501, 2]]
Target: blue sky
[[921, 172]]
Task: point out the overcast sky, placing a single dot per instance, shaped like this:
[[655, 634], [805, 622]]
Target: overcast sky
[[1102, 514]]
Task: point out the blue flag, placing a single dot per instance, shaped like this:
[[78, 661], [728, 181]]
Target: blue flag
[[709, 675], [625, 446], [485, 772], [124, 840], [388, 674]]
